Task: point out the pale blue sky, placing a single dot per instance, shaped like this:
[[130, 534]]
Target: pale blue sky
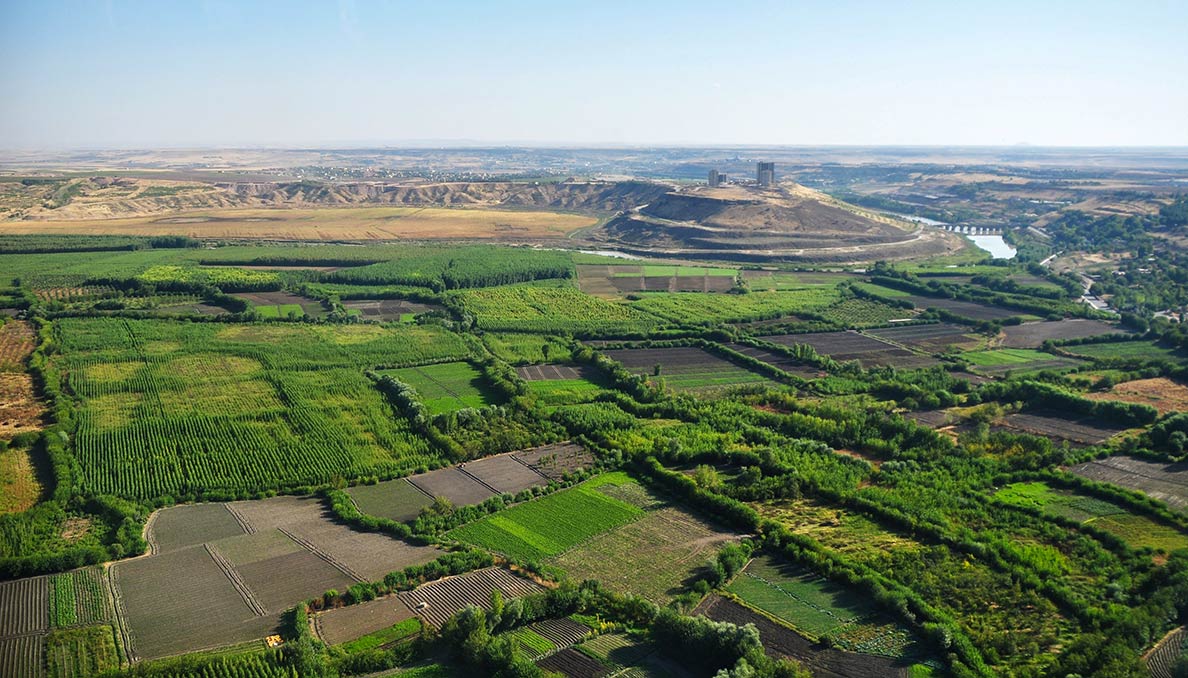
[[215, 72]]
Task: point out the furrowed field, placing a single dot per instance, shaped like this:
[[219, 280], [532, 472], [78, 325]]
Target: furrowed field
[[168, 408]]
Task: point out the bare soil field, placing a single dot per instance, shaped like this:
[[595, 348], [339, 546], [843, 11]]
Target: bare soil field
[[561, 632], [437, 601], [459, 488], [777, 360], [929, 418], [354, 621], [683, 283], [685, 368], [397, 500], [649, 557], [191, 524], [1161, 393], [24, 606], [781, 641], [20, 410], [868, 351], [1081, 431], [554, 372], [504, 474], [183, 601], [1165, 482], [17, 341], [322, 223], [573, 664], [1032, 335], [554, 461], [965, 309], [934, 338], [22, 656], [387, 309]]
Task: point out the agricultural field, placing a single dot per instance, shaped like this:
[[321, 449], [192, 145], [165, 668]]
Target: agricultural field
[[619, 654], [784, 280], [270, 305], [1079, 431], [397, 500], [1161, 659], [685, 369], [819, 608], [554, 461], [461, 488], [1163, 394], [81, 652], [446, 387], [1032, 335], [22, 656], [550, 309], [931, 338], [526, 349], [648, 557], [562, 384], [694, 308], [387, 310], [180, 408], [20, 488], [1000, 361], [169, 598], [436, 601], [858, 313], [334, 224], [965, 309], [844, 346], [1138, 351], [781, 641], [777, 360], [551, 525], [503, 473], [1160, 480], [343, 624], [1136, 530], [79, 597]]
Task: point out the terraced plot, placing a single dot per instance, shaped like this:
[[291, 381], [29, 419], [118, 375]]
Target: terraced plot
[[843, 346], [1165, 482], [437, 601], [932, 338], [1032, 335], [685, 369]]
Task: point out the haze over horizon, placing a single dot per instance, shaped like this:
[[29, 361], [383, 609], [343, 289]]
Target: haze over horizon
[[218, 74]]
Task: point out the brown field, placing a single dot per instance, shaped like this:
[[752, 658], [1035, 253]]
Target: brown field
[[345, 223], [554, 461], [1165, 482], [454, 485], [573, 664], [20, 411], [504, 474], [1032, 335], [19, 487], [17, 341], [181, 526], [932, 338], [965, 309], [778, 360], [843, 346], [22, 656], [1080, 431], [181, 602], [437, 601], [387, 309], [397, 500], [554, 372], [780, 641], [24, 606], [1161, 393], [354, 621], [1161, 658]]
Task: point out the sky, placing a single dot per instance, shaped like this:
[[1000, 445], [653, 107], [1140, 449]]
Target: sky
[[182, 73]]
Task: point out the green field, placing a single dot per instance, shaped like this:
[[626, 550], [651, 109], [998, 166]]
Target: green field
[[280, 311], [1127, 350], [1136, 530], [395, 500], [550, 310], [660, 270], [1017, 361], [84, 651], [562, 391], [447, 387], [519, 349], [531, 643], [862, 313], [551, 525], [169, 408], [392, 634], [818, 608], [703, 307]]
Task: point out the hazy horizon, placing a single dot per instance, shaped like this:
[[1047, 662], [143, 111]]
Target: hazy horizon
[[213, 74]]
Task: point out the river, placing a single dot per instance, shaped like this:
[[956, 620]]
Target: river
[[994, 244]]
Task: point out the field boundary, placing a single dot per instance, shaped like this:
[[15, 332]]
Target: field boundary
[[240, 585], [480, 480], [246, 524], [309, 546], [121, 615], [149, 537]]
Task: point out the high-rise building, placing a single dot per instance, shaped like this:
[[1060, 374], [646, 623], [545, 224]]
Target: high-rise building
[[765, 173], [715, 179]]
